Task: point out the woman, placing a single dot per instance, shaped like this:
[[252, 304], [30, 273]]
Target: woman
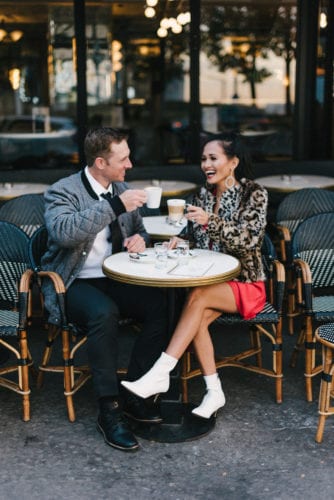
[[228, 215]]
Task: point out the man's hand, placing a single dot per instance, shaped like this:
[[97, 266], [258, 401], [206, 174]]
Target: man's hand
[[135, 243], [133, 198]]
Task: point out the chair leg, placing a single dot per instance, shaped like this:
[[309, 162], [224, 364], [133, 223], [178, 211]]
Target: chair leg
[[325, 391], [68, 374], [278, 362], [24, 375], [255, 341], [53, 332], [310, 345], [299, 346], [291, 302]]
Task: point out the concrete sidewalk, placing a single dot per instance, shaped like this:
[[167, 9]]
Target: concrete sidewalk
[[257, 450]]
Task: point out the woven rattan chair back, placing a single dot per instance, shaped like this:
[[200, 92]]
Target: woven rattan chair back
[[313, 257], [37, 247], [300, 205], [26, 212], [15, 283], [267, 323], [313, 242], [292, 211]]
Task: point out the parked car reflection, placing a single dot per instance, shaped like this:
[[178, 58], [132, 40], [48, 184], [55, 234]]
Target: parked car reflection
[[24, 144]]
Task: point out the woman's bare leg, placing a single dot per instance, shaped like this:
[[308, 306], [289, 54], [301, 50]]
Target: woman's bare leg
[[203, 305]]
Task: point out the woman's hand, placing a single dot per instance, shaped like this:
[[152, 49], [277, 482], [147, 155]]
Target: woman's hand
[[197, 214]]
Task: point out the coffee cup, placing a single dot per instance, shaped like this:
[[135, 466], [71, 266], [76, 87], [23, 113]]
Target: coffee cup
[[175, 210], [153, 196]]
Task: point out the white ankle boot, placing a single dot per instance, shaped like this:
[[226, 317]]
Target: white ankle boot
[[213, 399], [156, 380]]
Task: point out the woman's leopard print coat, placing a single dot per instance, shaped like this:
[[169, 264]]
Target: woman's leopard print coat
[[239, 227]]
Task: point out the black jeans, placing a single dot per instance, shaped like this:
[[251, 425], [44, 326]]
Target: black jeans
[[95, 305]]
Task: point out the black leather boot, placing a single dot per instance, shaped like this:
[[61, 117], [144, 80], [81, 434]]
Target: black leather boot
[[114, 429]]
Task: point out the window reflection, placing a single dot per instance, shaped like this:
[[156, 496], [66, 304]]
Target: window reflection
[[140, 81]]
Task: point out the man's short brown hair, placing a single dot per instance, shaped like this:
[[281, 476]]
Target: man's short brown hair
[[98, 141]]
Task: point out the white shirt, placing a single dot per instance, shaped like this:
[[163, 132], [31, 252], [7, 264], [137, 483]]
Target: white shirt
[[101, 248]]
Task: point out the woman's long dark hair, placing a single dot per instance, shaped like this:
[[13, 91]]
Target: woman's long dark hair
[[233, 145]]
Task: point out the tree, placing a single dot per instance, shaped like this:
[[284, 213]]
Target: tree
[[227, 46], [283, 44]]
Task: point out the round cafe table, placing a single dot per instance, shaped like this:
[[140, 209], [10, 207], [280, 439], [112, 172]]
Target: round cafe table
[[203, 267], [9, 190], [288, 183]]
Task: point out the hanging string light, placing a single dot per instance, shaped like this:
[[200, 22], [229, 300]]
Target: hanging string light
[[174, 24]]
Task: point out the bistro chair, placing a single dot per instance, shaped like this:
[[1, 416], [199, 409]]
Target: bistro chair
[[267, 323], [15, 286], [74, 375], [25, 211], [313, 261], [325, 335], [72, 338], [292, 211]]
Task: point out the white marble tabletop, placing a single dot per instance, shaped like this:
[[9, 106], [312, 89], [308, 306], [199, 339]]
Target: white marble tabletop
[[203, 267]]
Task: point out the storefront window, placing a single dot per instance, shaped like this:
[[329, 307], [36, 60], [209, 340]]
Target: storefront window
[[138, 77]]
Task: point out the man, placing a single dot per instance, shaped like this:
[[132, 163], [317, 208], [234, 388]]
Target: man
[[90, 215]]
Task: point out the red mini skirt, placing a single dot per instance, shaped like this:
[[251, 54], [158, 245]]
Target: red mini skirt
[[250, 297]]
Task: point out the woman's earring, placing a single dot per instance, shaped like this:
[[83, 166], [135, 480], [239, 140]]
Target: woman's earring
[[229, 182]]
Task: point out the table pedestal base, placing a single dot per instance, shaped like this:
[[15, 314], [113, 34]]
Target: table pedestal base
[[179, 424]]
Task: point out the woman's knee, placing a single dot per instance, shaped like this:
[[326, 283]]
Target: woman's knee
[[196, 298]]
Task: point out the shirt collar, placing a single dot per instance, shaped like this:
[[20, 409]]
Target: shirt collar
[[96, 186]]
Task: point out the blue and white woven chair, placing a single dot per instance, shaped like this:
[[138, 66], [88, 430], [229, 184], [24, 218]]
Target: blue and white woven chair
[[292, 211], [15, 285], [267, 323], [25, 211], [325, 335], [313, 260], [74, 376], [72, 338]]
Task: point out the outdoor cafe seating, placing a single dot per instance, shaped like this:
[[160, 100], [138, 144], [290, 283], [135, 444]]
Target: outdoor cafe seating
[[313, 256], [15, 284], [292, 211]]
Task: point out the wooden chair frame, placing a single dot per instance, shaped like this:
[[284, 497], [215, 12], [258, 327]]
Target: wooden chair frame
[[74, 376], [314, 292], [22, 353]]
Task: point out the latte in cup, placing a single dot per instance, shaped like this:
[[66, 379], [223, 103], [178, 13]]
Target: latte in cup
[[175, 209]]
